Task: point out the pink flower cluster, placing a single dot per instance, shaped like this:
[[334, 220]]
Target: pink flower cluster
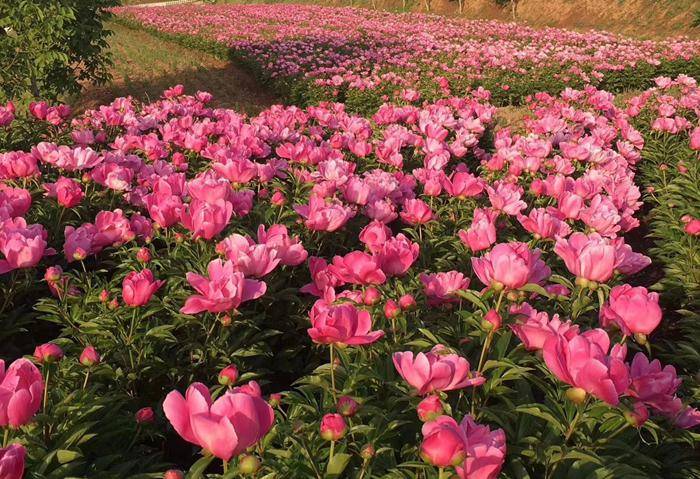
[[361, 49]]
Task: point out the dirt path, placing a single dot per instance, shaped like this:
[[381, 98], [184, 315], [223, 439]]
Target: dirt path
[[145, 65]]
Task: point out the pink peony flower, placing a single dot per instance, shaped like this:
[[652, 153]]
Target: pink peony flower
[[22, 245], [342, 325], [396, 255], [224, 290], [139, 287], [206, 220], [584, 363], [357, 267], [589, 257], [225, 427], [21, 390], [535, 328], [633, 309], [249, 258], [435, 371], [416, 212], [440, 288], [12, 461], [482, 232], [510, 266]]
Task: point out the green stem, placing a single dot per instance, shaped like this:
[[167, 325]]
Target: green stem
[[332, 375], [441, 473], [330, 457], [572, 426], [46, 389], [6, 437], [87, 375], [225, 463]]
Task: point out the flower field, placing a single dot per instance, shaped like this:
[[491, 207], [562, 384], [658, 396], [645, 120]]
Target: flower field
[[364, 57], [391, 289]]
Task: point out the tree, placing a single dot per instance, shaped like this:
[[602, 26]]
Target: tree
[[52, 47]]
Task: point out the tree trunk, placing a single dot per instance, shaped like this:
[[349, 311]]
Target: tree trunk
[[427, 6], [514, 5], [461, 6]]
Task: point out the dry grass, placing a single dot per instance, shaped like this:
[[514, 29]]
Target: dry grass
[[145, 65]]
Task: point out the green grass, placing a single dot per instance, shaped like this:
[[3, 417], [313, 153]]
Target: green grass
[[145, 65]]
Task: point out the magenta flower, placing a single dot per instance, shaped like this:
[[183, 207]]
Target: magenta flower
[[633, 309], [22, 245], [416, 212], [357, 267], [21, 390], [225, 427], [206, 220], [589, 257], [224, 290], [583, 362], [440, 288], [435, 371], [139, 287], [342, 325], [396, 255], [510, 266], [12, 461]]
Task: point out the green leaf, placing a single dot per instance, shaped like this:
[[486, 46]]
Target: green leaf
[[337, 465]]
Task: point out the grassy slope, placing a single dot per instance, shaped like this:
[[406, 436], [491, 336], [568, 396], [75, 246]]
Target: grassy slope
[[145, 65]]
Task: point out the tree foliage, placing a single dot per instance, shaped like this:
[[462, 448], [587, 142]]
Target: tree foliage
[[51, 47]]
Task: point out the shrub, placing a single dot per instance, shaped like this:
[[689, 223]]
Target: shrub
[[52, 47]]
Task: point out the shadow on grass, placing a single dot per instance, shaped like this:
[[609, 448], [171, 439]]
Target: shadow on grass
[[231, 86]]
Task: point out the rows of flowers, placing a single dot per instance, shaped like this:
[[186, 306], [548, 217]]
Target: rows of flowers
[[314, 293], [364, 57]]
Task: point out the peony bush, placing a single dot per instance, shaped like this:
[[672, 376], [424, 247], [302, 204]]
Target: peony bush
[[316, 293]]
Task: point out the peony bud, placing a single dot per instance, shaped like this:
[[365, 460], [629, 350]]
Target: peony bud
[[143, 255], [89, 357], [391, 309], [48, 353], [576, 395], [637, 416], [492, 320], [275, 399], [371, 296], [104, 295], [347, 406], [228, 376], [53, 274], [248, 464], [443, 449], [333, 427], [407, 302], [367, 452], [278, 198], [174, 474], [430, 408], [144, 415]]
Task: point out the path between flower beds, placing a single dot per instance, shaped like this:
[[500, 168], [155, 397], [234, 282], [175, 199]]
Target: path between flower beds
[[145, 65]]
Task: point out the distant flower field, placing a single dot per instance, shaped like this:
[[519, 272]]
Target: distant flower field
[[364, 56]]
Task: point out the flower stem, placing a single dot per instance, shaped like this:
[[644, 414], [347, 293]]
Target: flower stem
[[441, 473], [6, 437], [332, 350], [87, 375], [225, 463], [330, 456], [46, 389]]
